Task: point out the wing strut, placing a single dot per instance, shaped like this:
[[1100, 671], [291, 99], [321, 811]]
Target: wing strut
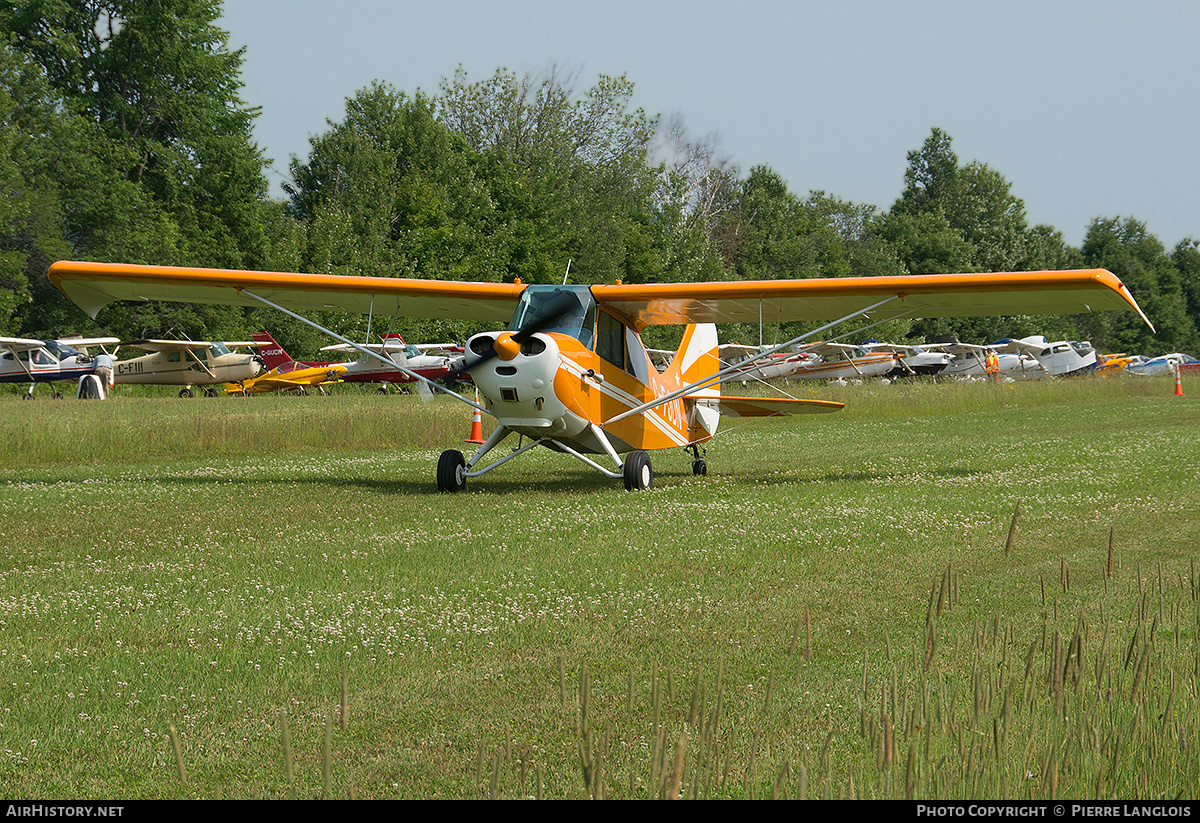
[[423, 379]]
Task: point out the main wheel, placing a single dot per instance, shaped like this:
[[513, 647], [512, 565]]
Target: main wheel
[[451, 471], [638, 474], [185, 392]]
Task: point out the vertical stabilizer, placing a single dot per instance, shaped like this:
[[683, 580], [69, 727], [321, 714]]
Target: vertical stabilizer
[[272, 353], [696, 360]]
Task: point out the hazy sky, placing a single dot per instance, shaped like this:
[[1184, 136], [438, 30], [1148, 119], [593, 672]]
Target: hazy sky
[[1087, 107]]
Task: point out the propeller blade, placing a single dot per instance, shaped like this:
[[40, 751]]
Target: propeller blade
[[551, 313]]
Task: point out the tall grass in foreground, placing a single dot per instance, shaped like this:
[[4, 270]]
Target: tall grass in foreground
[[1106, 711], [988, 595]]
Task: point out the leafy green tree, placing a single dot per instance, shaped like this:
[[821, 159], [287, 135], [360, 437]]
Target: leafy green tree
[[781, 236], [1186, 257], [390, 191], [975, 201], [569, 173], [925, 242], [136, 148], [1046, 250], [1128, 250], [160, 81], [67, 198], [930, 181]]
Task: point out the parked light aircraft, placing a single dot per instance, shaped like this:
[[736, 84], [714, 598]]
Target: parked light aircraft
[[1061, 359], [571, 374], [283, 373], [48, 361], [407, 362], [746, 365], [819, 361], [844, 361], [969, 360], [187, 363], [1165, 364], [912, 360]]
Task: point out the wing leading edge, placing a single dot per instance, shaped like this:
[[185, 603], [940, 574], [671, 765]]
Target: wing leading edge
[[94, 285], [931, 295]]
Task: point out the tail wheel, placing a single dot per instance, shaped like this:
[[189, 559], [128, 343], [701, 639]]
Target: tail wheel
[[699, 468], [638, 474], [451, 471]]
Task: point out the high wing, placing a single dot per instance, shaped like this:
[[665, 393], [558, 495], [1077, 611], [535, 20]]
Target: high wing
[[931, 295], [84, 343], [18, 344], [94, 285], [171, 345]]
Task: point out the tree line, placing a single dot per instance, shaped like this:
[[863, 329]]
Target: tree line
[[123, 138]]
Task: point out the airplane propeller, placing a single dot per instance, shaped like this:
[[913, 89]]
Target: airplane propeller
[[512, 341]]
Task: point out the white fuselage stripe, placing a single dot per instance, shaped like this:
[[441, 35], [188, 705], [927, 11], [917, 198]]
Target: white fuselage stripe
[[573, 368]]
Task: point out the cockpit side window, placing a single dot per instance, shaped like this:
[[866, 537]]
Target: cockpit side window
[[610, 339]]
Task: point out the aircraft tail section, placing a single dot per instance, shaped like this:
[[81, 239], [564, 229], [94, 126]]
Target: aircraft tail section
[[270, 351], [695, 360]]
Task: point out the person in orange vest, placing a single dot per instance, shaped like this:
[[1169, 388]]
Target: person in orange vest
[[991, 365]]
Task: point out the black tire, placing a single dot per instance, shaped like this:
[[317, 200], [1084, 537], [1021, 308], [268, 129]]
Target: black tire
[[638, 474], [699, 468], [451, 471], [185, 392]]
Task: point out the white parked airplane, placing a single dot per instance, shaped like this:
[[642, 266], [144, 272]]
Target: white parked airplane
[[913, 360], [971, 361], [409, 362], [1061, 359], [188, 363], [46, 361]]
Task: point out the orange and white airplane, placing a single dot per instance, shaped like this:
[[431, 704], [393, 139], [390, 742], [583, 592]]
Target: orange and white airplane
[[571, 374]]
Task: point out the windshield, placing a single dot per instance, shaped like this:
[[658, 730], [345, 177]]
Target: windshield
[[217, 349], [567, 310], [60, 350]]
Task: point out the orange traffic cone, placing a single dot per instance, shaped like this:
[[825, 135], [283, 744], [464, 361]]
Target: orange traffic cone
[[476, 429], [1178, 384]]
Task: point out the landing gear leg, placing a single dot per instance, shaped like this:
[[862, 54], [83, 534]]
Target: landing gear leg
[[699, 467]]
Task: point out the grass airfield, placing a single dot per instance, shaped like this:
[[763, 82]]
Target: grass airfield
[[943, 591]]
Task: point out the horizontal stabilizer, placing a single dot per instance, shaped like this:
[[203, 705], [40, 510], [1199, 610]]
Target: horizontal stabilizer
[[767, 406]]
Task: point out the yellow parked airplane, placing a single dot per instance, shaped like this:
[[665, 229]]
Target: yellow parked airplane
[[284, 373]]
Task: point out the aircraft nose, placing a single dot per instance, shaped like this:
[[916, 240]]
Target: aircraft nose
[[506, 346]]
